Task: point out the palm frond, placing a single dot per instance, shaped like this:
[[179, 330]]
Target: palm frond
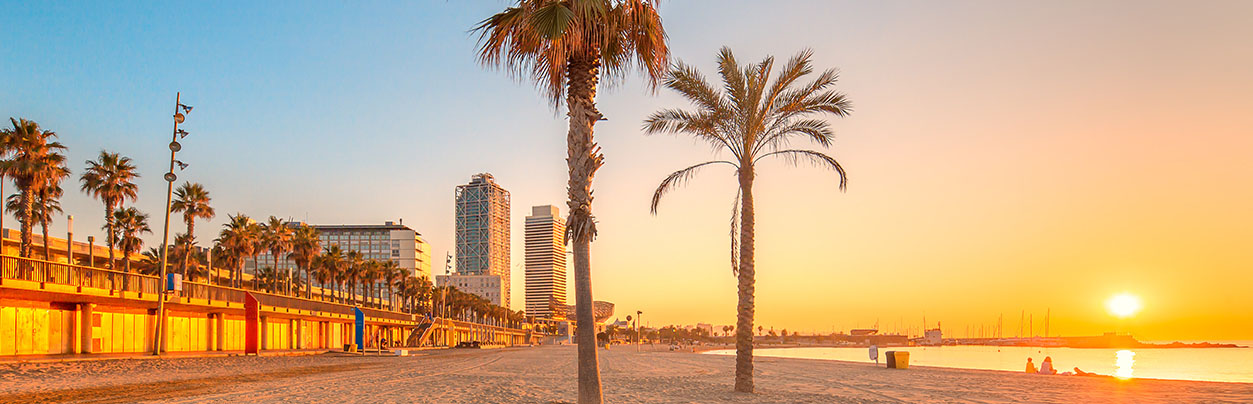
[[795, 157], [677, 179]]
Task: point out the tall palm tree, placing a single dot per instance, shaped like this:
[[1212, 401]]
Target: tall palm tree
[[277, 237], [750, 118], [306, 245], [184, 254], [331, 269], [353, 273], [239, 236], [130, 224], [565, 46], [47, 203], [391, 274], [35, 162], [193, 201], [50, 199], [111, 179]]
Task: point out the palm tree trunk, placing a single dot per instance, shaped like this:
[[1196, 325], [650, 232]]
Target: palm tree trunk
[[583, 159], [43, 228], [191, 227], [108, 238], [28, 203], [747, 286]]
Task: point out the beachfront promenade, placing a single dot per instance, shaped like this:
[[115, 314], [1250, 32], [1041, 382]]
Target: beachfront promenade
[[547, 375], [50, 308]]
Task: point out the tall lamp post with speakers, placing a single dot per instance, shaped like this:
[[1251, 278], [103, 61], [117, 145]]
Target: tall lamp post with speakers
[[166, 284]]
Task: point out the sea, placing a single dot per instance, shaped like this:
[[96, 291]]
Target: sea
[[1204, 364]]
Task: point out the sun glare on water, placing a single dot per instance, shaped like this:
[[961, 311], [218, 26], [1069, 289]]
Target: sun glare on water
[[1123, 305]]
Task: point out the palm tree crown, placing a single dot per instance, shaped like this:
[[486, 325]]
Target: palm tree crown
[[110, 178], [277, 237], [751, 118], [35, 164], [130, 224], [239, 237], [193, 201]]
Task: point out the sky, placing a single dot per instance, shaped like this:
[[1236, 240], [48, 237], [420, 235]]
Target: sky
[[1003, 157]]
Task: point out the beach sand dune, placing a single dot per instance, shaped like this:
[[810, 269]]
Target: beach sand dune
[[546, 375]]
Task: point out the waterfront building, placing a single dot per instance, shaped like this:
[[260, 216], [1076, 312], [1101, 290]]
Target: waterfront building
[[545, 262], [390, 241], [482, 239]]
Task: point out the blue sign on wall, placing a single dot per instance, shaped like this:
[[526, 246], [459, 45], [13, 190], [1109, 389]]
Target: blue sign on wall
[[360, 334]]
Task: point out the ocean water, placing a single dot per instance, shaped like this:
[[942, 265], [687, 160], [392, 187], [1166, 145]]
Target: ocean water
[[1207, 364]]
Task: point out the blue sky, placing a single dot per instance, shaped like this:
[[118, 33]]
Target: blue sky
[[988, 137]]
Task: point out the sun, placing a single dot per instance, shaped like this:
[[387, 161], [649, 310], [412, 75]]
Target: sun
[[1123, 305]]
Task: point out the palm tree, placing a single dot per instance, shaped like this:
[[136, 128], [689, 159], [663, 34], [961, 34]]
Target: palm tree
[[110, 178], [130, 224], [331, 269], [239, 237], [277, 237], [193, 201], [305, 246], [391, 275], [353, 273], [563, 45], [184, 253], [35, 163], [47, 203], [752, 119]]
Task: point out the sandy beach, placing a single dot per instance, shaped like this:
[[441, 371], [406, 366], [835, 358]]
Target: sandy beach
[[546, 375]]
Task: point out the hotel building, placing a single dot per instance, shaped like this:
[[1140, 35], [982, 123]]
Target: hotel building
[[545, 262], [482, 240], [389, 241]]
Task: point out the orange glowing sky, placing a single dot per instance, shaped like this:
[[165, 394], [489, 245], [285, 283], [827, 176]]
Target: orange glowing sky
[[1003, 156]]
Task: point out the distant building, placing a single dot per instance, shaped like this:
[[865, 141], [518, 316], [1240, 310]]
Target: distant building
[[482, 239], [485, 286], [545, 262], [932, 337], [390, 241]]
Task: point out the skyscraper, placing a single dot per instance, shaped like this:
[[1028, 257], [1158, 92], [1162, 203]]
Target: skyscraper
[[545, 261], [482, 239]]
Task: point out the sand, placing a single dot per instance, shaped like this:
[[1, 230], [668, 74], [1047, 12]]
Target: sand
[[546, 375]]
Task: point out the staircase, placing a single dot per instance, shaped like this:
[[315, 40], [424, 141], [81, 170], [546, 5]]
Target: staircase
[[420, 334]]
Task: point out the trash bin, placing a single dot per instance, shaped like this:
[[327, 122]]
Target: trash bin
[[350, 347], [898, 360], [890, 358]]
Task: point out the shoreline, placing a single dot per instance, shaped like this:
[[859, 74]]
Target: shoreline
[[547, 375]]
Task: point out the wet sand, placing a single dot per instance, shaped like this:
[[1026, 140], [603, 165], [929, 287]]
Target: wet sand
[[547, 375]]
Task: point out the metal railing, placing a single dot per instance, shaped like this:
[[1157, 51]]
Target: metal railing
[[12, 267], [29, 269]]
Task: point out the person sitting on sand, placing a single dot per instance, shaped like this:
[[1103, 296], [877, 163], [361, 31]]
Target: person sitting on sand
[[1046, 367], [1030, 366], [1082, 373]]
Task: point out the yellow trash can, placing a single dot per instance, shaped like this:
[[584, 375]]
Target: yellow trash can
[[902, 359]]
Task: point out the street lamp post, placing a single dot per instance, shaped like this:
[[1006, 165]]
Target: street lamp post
[[91, 251], [170, 177], [639, 326]]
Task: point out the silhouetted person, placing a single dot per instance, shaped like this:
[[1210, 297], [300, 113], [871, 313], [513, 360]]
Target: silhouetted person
[[1030, 366], [1046, 367]]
